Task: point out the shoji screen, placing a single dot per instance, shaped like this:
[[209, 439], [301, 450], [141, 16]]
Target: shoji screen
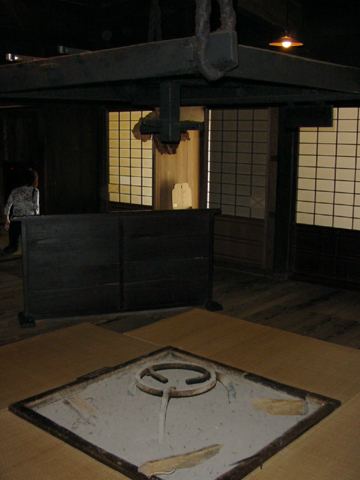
[[238, 157], [329, 173], [130, 161]]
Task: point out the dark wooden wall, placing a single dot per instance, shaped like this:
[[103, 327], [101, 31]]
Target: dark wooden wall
[[71, 264], [75, 158], [167, 258], [326, 255], [87, 264], [21, 147], [66, 144], [239, 242]]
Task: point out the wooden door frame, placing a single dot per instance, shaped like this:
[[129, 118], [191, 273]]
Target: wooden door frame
[[290, 120]]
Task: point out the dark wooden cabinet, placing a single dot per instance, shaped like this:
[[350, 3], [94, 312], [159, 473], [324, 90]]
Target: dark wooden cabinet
[[102, 263]]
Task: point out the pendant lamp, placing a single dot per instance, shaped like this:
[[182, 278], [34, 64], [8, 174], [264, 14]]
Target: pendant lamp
[[286, 40]]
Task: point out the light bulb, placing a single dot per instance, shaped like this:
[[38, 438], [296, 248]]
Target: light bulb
[[286, 42]]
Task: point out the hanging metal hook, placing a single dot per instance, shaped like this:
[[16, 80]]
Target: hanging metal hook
[[202, 22]]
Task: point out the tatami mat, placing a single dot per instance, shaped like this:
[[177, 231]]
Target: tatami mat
[[47, 361], [316, 366], [29, 453], [328, 451]]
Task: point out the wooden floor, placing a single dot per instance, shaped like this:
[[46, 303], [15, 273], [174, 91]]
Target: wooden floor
[[322, 312]]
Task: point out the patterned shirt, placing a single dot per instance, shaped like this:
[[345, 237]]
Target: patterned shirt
[[25, 201]]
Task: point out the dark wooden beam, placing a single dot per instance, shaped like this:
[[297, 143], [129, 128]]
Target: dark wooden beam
[[273, 67], [147, 94], [174, 59], [150, 60], [309, 116]]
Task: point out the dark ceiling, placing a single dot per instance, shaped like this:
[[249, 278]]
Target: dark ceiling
[[38, 28]]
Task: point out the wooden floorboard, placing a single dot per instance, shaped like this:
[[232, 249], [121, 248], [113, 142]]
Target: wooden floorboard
[[318, 311]]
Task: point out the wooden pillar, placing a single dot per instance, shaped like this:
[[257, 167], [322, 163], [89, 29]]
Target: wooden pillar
[[183, 167]]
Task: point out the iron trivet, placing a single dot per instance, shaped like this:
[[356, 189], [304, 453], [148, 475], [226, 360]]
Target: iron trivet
[[211, 422], [194, 386]]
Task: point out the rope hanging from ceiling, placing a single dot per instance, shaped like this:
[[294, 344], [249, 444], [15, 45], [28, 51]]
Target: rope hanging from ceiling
[[154, 32], [202, 30]]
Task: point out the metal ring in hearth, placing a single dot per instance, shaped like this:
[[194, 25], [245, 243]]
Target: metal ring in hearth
[[196, 385]]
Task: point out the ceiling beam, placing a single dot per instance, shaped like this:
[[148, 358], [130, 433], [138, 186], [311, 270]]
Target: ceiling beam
[[171, 59], [273, 67], [150, 60], [147, 95]]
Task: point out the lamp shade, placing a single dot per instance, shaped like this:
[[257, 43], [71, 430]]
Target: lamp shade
[[286, 41]]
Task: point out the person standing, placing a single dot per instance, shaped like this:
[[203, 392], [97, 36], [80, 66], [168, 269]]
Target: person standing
[[24, 201]]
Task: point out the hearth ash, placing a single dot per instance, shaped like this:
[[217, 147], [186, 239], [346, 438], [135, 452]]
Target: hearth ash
[[174, 412], [193, 386]]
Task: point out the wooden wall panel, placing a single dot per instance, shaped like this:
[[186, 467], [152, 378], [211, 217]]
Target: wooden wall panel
[[326, 255], [174, 251], [166, 236], [74, 159], [239, 242], [71, 264], [83, 264], [73, 301], [79, 252], [66, 144], [161, 294], [185, 269]]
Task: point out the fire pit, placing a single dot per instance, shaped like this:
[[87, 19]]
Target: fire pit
[[175, 414]]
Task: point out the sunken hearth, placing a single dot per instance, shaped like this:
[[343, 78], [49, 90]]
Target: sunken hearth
[[174, 415]]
